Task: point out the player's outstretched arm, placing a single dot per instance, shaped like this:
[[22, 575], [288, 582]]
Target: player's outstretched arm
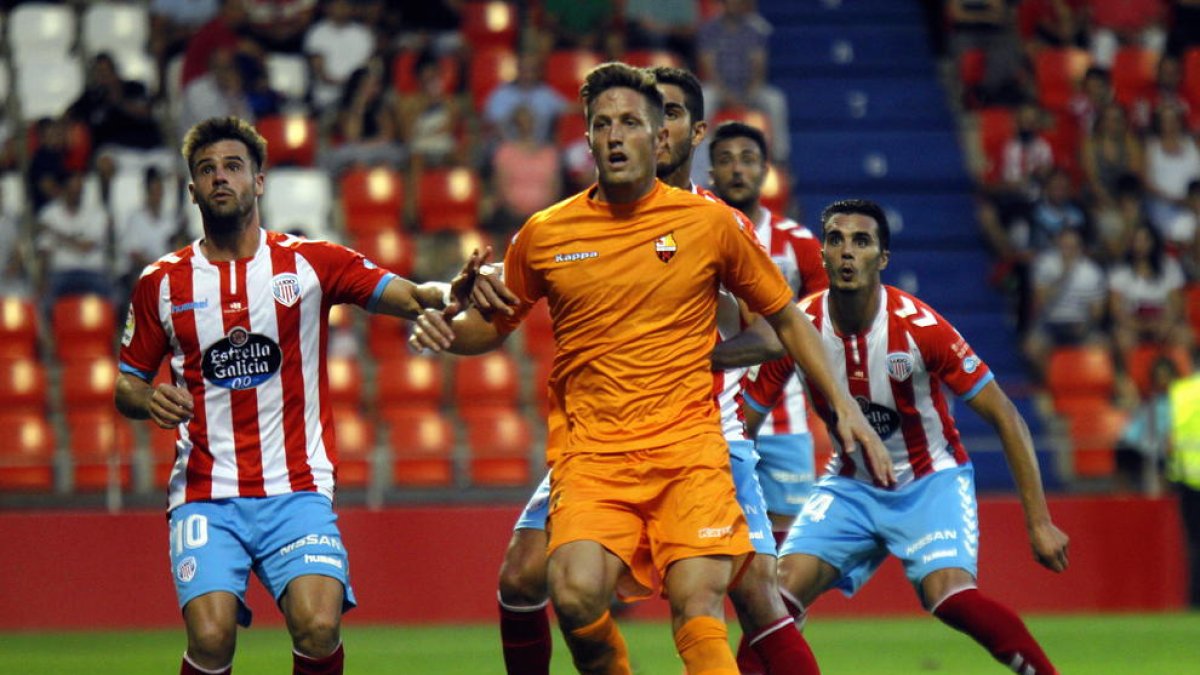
[[467, 333], [1049, 543], [757, 344], [165, 404], [477, 283], [803, 344]]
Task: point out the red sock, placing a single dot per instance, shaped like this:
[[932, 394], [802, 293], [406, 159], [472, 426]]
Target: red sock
[[326, 665], [997, 628], [747, 659], [784, 649], [186, 667], [525, 636]]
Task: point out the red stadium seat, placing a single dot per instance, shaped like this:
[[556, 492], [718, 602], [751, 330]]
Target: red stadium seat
[[345, 381], [490, 23], [1133, 73], [1139, 363], [372, 199], [79, 145], [448, 199], [88, 383], [83, 325], [776, 190], [1064, 139], [1191, 300], [404, 72], [291, 139], [390, 249], [489, 69], [1094, 427], [996, 126], [1058, 72], [22, 386], [972, 65], [422, 444], [386, 335], [500, 443], [1191, 84], [355, 446], [162, 453], [18, 328], [566, 69], [27, 455], [571, 127], [405, 380], [489, 380], [652, 58], [1080, 371], [101, 449]]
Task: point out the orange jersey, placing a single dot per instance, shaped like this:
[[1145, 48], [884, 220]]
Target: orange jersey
[[632, 292]]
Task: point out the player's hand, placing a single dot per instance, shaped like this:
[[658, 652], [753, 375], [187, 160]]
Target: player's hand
[[854, 431], [169, 406], [431, 331], [481, 284], [1050, 546]]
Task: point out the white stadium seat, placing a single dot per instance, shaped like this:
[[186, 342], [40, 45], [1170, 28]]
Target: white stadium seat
[[137, 66], [47, 87], [112, 27], [40, 30], [127, 194], [288, 75], [298, 198], [12, 185]]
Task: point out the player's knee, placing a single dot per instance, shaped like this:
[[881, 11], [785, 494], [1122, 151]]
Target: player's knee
[[756, 595], [800, 576], [522, 583], [700, 600], [316, 635], [212, 643], [577, 599]]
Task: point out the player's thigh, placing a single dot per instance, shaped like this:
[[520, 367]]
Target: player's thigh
[[696, 586], [301, 538], [582, 576], [941, 584], [523, 572], [211, 621], [209, 553], [313, 601], [805, 577]]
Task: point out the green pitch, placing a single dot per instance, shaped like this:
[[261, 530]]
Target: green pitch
[[1158, 644]]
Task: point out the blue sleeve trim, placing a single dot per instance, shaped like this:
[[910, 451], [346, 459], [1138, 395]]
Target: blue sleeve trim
[[378, 292], [978, 386], [126, 368], [754, 404]]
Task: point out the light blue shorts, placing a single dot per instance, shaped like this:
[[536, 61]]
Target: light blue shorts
[[534, 515], [786, 471], [215, 544], [930, 524]]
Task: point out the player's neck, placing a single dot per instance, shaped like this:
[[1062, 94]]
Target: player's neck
[[680, 178], [623, 193], [234, 244], [853, 311]]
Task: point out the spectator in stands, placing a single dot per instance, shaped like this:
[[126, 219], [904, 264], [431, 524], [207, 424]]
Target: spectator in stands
[[280, 25], [1115, 225], [1056, 23], [1067, 306], [173, 22], [1183, 234], [336, 46], [1095, 93], [1185, 27], [526, 176], [73, 241], [662, 24], [733, 65], [1142, 449], [148, 234], [428, 25], [1172, 161], [48, 166], [217, 93], [990, 26], [222, 33], [530, 91], [580, 24], [1056, 210], [367, 129], [1133, 22], [14, 268], [1111, 150], [1168, 91], [1146, 296], [431, 118]]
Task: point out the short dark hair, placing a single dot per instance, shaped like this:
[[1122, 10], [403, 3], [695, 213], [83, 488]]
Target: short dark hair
[[693, 93], [152, 175], [216, 129], [615, 74], [862, 207], [735, 129]]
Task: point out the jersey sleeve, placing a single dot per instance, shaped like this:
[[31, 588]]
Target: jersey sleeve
[[521, 279], [949, 357], [765, 391], [746, 268], [346, 275], [813, 277], [145, 341]]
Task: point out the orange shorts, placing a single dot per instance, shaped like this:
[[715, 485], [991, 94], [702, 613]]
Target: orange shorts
[[649, 507]]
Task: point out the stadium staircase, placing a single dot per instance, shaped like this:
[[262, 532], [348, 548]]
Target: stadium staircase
[[870, 118]]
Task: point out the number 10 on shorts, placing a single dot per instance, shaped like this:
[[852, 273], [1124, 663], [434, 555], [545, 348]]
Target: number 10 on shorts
[[190, 532]]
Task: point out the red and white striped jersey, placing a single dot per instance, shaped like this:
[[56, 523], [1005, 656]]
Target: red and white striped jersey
[[895, 372], [797, 252], [247, 339]]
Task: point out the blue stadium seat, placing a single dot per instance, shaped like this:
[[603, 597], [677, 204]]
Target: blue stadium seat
[[865, 103], [842, 50], [809, 12], [992, 474], [878, 161], [943, 219], [949, 280], [992, 338]]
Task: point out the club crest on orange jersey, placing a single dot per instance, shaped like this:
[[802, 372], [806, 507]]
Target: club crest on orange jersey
[[664, 247]]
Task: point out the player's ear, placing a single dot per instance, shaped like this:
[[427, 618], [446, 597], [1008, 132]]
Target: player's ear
[[883, 259]]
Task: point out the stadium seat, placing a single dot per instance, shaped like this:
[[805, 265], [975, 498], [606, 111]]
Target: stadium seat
[[653, 58], [13, 185], [78, 152], [489, 69], [949, 289], [1058, 72], [162, 453], [1080, 371], [1191, 84], [1064, 139], [295, 198], [500, 443], [345, 381], [404, 72], [114, 27], [127, 195], [1191, 301], [292, 139], [448, 199], [23, 385], [866, 102], [27, 456], [1134, 70], [996, 126], [404, 380], [386, 336], [83, 325], [88, 382], [841, 50], [972, 65], [287, 74], [570, 127], [38, 30], [877, 161], [390, 249], [355, 446], [422, 445], [489, 24], [137, 66], [1139, 363], [101, 449], [488, 380], [566, 68], [18, 328], [372, 199], [1094, 427], [933, 219], [47, 86]]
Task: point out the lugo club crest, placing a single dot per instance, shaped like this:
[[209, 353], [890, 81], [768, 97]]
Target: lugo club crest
[[241, 360]]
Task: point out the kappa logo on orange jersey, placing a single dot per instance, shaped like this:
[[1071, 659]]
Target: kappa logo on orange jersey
[[664, 247]]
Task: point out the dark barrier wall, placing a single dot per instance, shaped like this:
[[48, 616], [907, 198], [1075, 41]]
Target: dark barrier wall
[[419, 565]]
